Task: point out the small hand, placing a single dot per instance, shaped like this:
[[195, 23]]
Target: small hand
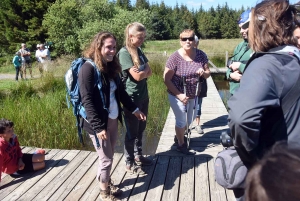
[[200, 72], [102, 135], [140, 115], [236, 75], [235, 66], [183, 98], [21, 164]]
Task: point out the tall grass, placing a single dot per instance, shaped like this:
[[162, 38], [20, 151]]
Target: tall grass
[[42, 118]]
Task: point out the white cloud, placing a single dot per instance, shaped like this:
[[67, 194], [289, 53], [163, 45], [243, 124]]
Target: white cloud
[[196, 4]]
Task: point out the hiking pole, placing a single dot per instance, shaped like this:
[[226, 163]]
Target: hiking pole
[[187, 131]]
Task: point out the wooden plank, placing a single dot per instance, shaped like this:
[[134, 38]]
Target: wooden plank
[[60, 178], [158, 179], [186, 191], [30, 179], [230, 195], [59, 162], [201, 179], [216, 191], [93, 191], [171, 187], [142, 184], [73, 179]]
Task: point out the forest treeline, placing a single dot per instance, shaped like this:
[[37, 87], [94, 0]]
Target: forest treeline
[[69, 24]]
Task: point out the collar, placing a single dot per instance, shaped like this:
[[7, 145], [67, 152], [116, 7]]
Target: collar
[[287, 48]]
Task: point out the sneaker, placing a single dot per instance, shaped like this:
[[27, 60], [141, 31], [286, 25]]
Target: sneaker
[[176, 140], [106, 195], [114, 190], [132, 168], [183, 149], [199, 129], [141, 160]]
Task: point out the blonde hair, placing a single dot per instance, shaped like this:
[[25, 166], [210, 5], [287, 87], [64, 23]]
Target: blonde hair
[[133, 29], [188, 32], [94, 52]]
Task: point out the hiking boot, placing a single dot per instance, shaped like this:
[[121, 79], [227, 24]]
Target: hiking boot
[[199, 129], [132, 168], [114, 190], [141, 160], [176, 140], [106, 195], [183, 149]]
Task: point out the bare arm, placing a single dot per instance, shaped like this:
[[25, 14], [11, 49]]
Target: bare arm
[[140, 75], [168, 74], [206, 72]]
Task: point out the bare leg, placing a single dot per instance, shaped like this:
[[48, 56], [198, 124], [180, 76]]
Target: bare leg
[[38, 161], [38, 166], [180, 135]]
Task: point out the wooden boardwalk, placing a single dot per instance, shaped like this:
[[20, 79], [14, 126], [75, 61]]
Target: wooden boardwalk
[[70, 174]]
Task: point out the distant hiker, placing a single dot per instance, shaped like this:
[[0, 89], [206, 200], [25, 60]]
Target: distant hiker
[[17, 61], [43, 55], [135, 71], [12, 160], [26, 61], [103, 108]]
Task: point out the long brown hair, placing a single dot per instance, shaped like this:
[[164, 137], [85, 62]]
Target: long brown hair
[[133, 29], [272, 24], [94, 52], [275, 177]]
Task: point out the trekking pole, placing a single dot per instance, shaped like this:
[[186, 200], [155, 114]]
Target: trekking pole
[[187, 131]]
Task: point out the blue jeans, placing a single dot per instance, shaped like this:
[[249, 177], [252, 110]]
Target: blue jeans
[[18, 71], [199, 107]]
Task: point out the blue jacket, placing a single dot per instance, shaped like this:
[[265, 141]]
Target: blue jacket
[[17, 61]]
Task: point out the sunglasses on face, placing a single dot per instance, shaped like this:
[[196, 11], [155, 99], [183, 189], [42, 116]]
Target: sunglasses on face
[[190, 39]]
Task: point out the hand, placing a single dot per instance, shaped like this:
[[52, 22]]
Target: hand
[[140, 115], [236, 75], [21, 164], [102, 135], [200, 71], [235, 66], [183, 98]]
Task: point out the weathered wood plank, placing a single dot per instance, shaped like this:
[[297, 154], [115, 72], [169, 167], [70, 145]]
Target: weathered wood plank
[[59, 162], [30, 179], [171, 187], [158, 180], [217, 192], [73, 179], [230, 195], [186, 191], [60, 178], [142, 184], [201, 179]]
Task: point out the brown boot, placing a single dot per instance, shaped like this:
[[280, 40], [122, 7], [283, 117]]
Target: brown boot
[[114, 190], [106, 195]]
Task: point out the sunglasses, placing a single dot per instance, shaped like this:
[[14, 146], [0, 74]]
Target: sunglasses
[[190, 39]]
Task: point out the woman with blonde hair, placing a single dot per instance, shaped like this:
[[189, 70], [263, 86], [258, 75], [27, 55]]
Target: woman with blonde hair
[[190, 63], [135, 71], [103, 113]]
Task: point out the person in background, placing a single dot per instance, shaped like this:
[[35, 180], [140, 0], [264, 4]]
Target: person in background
[[37, 57], [135, 71], [276, 176], [12, 160], [26, 61], [44, 57], [257, 116], [17, 61], [103, 113], [203, 93], [241, 54], [190, 63]]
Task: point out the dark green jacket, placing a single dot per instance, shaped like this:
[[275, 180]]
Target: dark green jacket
[[241, 53]]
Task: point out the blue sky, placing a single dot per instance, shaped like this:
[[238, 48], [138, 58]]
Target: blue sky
[[234, 4]]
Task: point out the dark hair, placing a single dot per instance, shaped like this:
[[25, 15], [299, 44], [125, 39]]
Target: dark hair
[[276, 176], [94, 52], [4, 123], [272, 25]]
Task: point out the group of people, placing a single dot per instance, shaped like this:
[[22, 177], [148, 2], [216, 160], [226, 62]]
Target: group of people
[[22, 60], [258, 87]]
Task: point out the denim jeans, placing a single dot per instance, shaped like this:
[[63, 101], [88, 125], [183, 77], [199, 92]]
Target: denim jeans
[[135, 129], [17, 72]]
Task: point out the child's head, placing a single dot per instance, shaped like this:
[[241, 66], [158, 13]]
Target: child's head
[[6, 128]]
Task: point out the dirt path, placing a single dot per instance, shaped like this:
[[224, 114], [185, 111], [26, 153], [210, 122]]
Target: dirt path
[[7, 76]]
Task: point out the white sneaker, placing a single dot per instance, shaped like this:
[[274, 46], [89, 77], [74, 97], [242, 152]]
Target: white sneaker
[[199, 129]]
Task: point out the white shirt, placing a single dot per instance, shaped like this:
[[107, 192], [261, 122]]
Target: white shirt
[[113, 106]]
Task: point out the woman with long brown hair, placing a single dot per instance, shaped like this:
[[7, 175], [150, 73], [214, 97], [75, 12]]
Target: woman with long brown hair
[[103, 114]]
